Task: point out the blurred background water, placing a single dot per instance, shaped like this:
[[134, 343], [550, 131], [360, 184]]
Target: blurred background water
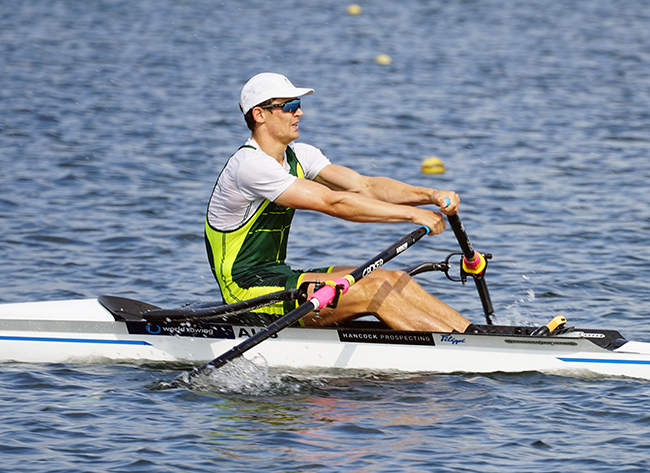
[[116, 118]]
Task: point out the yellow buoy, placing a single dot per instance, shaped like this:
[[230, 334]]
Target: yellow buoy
[[383, 59], [354, 9], [433, 165]]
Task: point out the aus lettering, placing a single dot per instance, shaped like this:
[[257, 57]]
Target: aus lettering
[[249, 332], [451, 339]]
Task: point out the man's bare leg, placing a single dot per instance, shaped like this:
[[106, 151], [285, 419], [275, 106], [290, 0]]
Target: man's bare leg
[[394, 298]]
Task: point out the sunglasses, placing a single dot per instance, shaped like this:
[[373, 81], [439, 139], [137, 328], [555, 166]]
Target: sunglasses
[[291, 106]]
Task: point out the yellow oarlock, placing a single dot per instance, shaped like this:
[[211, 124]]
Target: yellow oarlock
[[475, 267]]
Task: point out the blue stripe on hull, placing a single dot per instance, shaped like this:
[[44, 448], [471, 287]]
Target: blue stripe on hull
[[615, 362], [75, 340]]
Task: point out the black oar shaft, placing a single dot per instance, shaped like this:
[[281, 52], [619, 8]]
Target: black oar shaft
[[461, 236], [221, 310], [389, 253], [468, 252], [263, 334], [312, 304]]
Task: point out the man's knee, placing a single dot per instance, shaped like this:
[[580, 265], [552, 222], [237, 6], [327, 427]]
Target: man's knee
[[386, 281], [396, 278]]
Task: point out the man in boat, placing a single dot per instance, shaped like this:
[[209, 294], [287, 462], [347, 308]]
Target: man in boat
[[269, 177]]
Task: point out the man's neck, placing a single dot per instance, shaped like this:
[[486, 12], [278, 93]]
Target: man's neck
[[272, 147]]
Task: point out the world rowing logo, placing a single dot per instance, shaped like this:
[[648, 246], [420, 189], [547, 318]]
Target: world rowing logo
[[153, 328]]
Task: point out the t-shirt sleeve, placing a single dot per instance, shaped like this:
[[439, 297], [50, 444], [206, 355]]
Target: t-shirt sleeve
[[311, 159], [262, 176]]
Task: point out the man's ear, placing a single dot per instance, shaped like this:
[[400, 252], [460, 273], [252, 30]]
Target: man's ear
[[258, 115]]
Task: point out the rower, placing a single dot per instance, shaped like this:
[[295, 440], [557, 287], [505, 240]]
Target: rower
[[269, 177]]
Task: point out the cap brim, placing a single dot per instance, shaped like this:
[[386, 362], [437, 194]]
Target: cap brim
[[289, 93]]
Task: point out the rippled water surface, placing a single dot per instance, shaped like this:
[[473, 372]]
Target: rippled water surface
[[117, 116]]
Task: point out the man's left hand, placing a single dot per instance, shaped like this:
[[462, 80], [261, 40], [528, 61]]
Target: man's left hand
[[439, 197]]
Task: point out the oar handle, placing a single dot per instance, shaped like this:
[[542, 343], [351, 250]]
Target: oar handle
[[471, 256]]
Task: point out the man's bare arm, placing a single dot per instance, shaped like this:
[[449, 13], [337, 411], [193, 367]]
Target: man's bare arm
[[353, 206], [385, 189]]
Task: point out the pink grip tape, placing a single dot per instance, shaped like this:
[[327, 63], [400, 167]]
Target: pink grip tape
[[327, 293]]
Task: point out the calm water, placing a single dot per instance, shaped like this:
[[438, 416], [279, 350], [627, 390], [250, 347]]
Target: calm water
[[117, 116]]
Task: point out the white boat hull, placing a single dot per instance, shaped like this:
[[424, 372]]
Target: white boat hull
[[84, 331]]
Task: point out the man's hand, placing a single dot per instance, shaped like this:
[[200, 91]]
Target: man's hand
[[438, 198], [433, 220]]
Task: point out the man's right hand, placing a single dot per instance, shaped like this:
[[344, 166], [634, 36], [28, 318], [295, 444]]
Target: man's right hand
[[433, 220]]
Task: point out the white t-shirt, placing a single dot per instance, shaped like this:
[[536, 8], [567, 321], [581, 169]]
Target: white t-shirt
[[250, 177]]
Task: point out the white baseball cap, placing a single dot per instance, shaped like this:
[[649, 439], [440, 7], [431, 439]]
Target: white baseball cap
[[265, 86]]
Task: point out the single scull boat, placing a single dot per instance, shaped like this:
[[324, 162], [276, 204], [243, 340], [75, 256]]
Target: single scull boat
[[117, 329]]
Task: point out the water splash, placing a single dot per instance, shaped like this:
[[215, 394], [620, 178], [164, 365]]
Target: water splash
[[513, 314], [242, 376]]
